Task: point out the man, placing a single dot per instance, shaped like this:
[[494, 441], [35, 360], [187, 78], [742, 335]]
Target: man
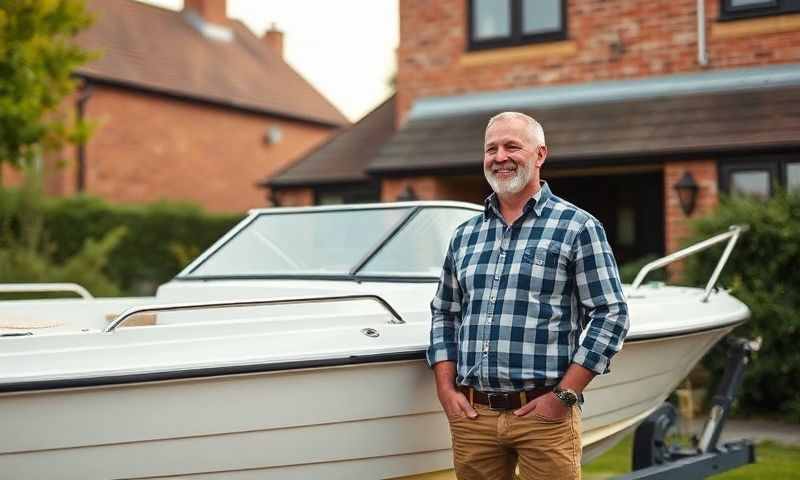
[[528, 310]]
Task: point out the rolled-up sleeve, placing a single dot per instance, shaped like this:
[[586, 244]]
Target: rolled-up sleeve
[[445, 314], [605, 312]]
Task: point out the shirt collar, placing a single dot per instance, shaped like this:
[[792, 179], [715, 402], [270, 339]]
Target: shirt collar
[[537, 202]]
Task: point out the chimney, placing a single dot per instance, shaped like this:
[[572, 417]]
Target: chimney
[[274, 38], [211, 11]]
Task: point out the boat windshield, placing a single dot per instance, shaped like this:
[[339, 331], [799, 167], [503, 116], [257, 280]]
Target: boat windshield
[[399, 241]]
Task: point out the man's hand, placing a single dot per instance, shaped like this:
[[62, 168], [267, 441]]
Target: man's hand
[[547, 406], [455, 404]]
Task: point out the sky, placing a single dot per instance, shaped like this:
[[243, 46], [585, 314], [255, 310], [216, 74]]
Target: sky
[[344, 48]]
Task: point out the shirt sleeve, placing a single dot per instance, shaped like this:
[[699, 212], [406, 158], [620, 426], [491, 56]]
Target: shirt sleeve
[[445, 314], [605, 312]]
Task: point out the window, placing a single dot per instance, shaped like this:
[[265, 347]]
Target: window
[[793, 176], [735, 9], [506, 23], [338, 194], [751, 182], [758, 175]]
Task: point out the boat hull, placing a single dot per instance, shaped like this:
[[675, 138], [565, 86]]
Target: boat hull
[[373, 420]]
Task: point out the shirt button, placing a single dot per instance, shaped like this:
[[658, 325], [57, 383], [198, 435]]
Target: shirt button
[[491, 299]]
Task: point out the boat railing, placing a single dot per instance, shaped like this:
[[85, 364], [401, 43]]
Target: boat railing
[[731, 236], [45, 287], [172, 307]]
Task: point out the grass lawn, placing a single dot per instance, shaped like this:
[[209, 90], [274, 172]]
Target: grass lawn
[[772, 462]]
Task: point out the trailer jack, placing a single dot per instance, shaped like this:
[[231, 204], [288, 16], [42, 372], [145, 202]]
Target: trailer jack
[[654, 459]]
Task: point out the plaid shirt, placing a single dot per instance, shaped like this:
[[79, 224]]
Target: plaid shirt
[[517, 304]]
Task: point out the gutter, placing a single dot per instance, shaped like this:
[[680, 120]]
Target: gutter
[[702, 53], [84, 94]]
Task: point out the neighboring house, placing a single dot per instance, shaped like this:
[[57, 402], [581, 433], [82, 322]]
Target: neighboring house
[[631, 103], [189, 105], [335, 172]]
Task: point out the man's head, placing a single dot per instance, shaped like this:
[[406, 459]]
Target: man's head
[[514, 152]]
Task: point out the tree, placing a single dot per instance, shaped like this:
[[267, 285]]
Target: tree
[[37, 58]]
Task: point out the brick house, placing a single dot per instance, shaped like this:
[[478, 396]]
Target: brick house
[[634, 97], [189, 105]]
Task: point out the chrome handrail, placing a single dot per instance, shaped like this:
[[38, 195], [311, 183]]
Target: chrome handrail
[[732, 235], [45, 287], [247, 303]]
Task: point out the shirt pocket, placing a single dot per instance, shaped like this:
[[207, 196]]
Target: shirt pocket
[[543, 264]]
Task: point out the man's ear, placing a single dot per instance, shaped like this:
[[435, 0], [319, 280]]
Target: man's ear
[[541, 155]]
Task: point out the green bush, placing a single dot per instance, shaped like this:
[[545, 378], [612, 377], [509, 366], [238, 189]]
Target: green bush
[[764, 273], [26, 255], [160, 239]]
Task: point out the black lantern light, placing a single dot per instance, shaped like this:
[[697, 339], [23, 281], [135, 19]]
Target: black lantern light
[[687, 190], [407, 195]]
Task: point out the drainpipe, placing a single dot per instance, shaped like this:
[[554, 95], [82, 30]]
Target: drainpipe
[[84, 94], [702, 55]]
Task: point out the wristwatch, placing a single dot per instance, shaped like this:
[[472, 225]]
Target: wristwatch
[[568, 397]]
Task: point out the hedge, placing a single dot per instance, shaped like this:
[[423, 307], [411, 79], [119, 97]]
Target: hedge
[[159, 240], [764, 273]]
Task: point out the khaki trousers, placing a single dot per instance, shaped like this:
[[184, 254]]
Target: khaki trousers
[[490, 446]]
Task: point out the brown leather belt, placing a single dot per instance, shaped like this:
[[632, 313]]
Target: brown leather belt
[[503, 400]]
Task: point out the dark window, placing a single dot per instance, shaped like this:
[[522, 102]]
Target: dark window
[[506, 23], [347, 194], [736, 9], [751, 182], [793, 176], [758, 175]]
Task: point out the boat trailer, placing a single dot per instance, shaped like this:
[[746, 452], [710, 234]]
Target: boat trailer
[[654, 459]]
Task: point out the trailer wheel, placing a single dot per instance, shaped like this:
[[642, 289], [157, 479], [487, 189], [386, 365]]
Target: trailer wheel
[[650, 445]]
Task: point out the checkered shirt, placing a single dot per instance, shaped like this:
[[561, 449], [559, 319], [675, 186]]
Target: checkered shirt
[[517, 304]]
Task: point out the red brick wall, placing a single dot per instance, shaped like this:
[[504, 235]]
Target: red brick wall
[[676, 223], [149, 147], [464, 189], [607, 40]]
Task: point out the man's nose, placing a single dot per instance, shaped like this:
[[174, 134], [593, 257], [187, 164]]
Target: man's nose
[[502, 155]]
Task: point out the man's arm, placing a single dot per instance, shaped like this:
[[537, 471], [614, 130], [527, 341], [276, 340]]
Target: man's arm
[[600, 293], [605, 321], [443, 350]]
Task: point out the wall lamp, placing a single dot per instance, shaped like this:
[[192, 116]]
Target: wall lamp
[[687, 190], [407, 195]]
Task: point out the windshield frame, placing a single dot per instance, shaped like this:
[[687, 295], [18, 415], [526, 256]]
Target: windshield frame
[[352, 275]]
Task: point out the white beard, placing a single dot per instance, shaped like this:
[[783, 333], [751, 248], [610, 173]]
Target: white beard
[[513, 185]]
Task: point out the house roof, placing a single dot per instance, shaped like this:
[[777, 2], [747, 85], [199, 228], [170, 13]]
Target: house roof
[[159, 50], [593, 124], [343, 158]]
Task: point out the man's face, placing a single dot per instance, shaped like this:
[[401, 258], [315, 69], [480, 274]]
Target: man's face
[[510, 156]]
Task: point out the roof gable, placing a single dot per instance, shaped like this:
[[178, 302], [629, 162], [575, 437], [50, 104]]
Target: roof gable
[[158, 49]]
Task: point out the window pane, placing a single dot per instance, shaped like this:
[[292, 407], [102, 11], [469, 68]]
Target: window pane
[[751, 3], [540, 16], [324, 242], [751, 183], [419, 249], [491, 19], [626, 226], [793, 176]]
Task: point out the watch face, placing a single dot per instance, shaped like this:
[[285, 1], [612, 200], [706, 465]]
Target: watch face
[[568, 397]]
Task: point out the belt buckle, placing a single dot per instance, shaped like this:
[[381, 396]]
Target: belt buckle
[[498, 401]]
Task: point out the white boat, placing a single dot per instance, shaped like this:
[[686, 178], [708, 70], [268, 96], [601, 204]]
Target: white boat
[[293, 349]]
